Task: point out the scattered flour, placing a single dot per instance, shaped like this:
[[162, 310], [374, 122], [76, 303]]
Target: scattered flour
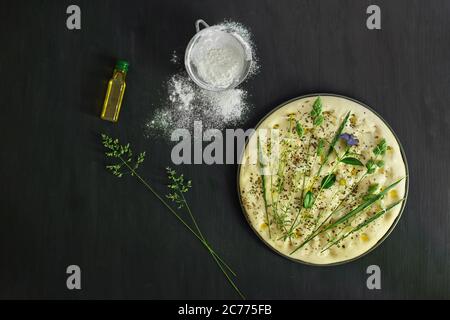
[[186, 102], [174, 59], [229, 104], [181, 94]]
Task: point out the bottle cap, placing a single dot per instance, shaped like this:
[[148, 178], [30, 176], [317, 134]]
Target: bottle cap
[[122, 65]]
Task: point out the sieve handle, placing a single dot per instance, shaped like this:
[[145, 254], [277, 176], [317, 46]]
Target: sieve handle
[[200, 23]]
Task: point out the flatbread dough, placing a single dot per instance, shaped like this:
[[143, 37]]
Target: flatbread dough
[[369, 129]]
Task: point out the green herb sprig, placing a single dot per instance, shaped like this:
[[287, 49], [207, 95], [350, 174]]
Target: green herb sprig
[[263, 182], [320, 147], [299, 129], [127, 164], [307, 195], [316, 112], [363, 224], [373, 163], [330, 178], [371, 191], [331, 148], [352, 213], [371, 166]]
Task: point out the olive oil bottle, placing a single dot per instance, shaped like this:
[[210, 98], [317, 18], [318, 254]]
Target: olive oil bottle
[[114, 94]]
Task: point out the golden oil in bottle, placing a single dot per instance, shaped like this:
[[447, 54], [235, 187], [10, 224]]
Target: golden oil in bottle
[[114, 94]]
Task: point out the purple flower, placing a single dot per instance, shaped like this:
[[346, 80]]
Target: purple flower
[[350, 139]]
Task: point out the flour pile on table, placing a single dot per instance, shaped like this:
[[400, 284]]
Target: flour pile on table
[[186, 102]]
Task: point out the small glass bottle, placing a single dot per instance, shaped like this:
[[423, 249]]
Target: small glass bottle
[[114, 94]]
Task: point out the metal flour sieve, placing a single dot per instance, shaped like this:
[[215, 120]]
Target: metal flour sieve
[[239, 41]]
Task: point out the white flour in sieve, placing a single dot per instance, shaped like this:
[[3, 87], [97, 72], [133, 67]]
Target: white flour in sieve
[[186, 102], [218, 58]]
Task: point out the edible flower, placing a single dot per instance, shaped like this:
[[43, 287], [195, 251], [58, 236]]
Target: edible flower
[[350, 139]]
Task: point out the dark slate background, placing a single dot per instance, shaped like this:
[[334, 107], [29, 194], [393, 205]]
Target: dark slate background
[[58, 205]]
